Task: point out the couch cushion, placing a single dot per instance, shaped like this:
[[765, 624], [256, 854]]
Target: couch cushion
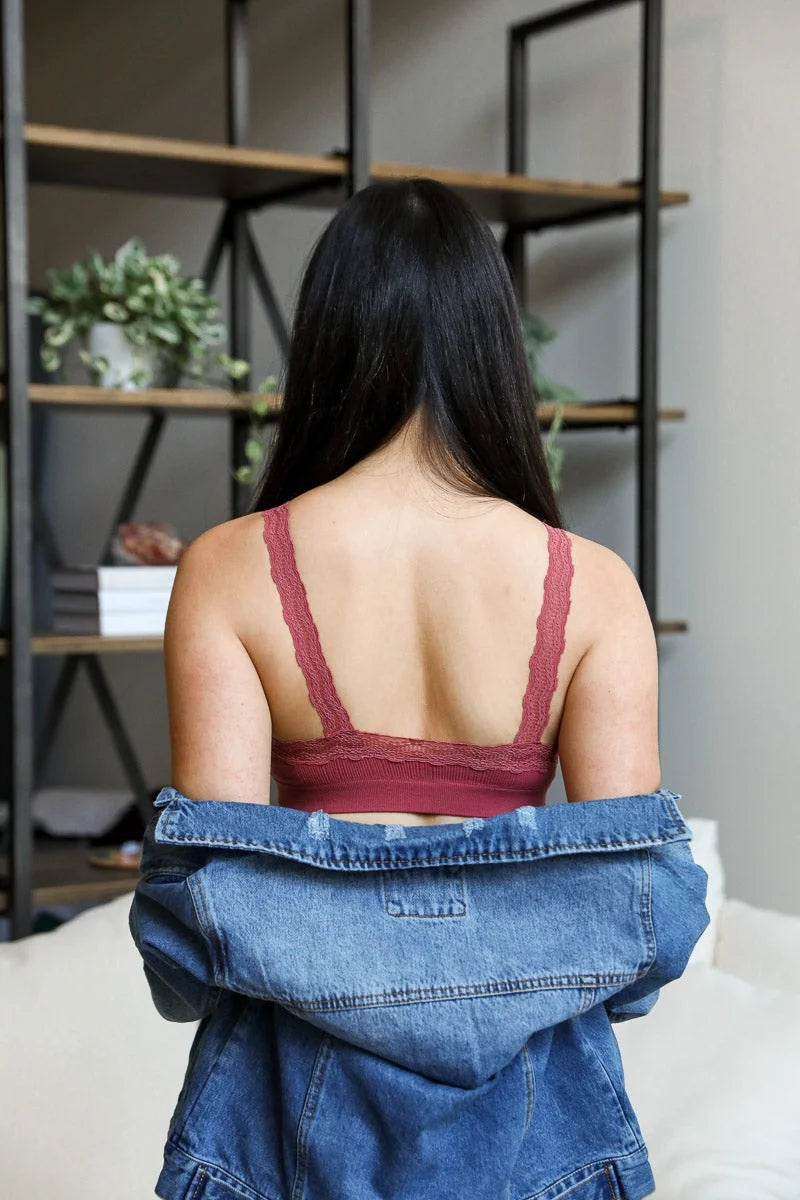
[[91, 1071], [712, 1074], [759, 945]]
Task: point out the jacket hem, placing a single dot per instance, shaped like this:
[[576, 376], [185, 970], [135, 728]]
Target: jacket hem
[[184, 1177]]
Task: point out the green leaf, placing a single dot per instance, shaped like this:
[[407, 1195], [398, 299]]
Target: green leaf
[[160, 285], [59, 335], [115, 312], [52, 316], [97, 367], [128, 251], [166, 332], [235, 368], [214, 333], [138, 332], [95, 263], [191, 326]]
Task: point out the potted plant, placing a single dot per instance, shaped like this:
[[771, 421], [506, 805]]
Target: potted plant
[[140, 322], [536, 334]]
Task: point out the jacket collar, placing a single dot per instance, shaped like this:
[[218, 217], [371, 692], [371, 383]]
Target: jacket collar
[[530, 832]]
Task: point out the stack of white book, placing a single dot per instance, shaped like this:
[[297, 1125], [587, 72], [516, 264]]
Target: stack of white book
[[113, 601]]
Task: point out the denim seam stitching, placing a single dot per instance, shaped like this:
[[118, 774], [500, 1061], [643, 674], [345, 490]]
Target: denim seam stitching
[[200, 1177], [443, 916], [474, 856], [587, 999], [591, 1046], [207, 928], [530, 1086], [310, 1102], [458, 991], [603, 1171], [171, 1146], [458, 885], [427, 916], [646, 912]]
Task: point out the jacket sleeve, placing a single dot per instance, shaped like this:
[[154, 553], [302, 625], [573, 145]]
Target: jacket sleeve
[[678, 912], [166, 921]]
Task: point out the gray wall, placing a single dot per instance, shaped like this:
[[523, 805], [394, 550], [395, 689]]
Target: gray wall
[[728, 517]]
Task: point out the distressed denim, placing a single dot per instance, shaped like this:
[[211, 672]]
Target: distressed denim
[[392, 1012]]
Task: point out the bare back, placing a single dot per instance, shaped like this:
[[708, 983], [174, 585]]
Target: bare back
[[427, 613]]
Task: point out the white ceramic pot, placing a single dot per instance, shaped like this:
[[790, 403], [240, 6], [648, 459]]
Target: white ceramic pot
[[108, 339]]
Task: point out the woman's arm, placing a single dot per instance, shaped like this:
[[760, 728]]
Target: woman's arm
[[219, 720], [220, 734], [608, 747], [608, 737]]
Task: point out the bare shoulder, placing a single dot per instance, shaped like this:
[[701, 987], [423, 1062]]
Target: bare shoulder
[[227, 543], [600, 563], [604, 588], [220, 561]]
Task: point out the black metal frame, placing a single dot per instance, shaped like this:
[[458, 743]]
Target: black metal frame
[[647, 207], [26, 516], [20, 561]]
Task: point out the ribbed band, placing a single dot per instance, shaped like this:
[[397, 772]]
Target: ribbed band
[[440, 796]]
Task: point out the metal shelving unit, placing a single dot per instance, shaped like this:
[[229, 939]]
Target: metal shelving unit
[[648, 203], [245, 179]]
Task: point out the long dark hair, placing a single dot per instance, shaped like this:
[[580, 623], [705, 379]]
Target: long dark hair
[[406, 304]]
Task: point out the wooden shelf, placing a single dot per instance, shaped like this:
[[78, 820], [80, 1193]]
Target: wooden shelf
[[62, 874], [183, 399], [612, 413], [89, 643], [168, 166], [524, 200], [672, 627]]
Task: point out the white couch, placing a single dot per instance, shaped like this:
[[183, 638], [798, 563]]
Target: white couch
[[89, 1073]]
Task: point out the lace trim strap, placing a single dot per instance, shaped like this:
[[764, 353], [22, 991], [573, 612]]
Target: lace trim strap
[[297, 615], [550, 638]]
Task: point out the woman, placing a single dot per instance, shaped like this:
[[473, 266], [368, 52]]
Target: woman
[[404, 636]]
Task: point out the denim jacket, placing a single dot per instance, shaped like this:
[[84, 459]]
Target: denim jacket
[[391, 1012]]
